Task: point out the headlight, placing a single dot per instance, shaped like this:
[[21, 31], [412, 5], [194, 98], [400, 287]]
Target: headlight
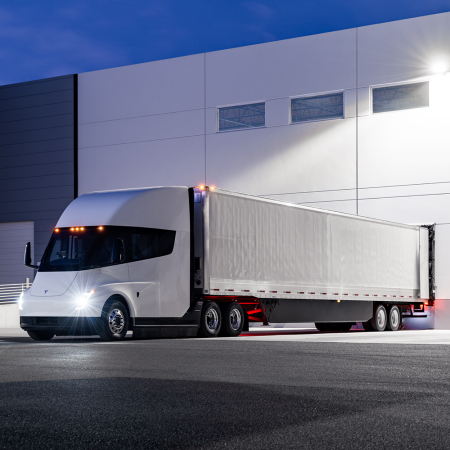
[[21, 301], [84, 299]]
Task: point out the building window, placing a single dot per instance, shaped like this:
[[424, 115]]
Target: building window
[[243, 116], [402, 96], [320, 107]]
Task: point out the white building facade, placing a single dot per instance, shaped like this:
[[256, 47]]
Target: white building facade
[[353, 121]]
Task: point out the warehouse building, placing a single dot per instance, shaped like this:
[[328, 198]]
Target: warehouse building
[[353, 121]]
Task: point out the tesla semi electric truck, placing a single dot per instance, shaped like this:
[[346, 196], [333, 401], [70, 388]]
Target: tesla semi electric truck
[[179, 262]]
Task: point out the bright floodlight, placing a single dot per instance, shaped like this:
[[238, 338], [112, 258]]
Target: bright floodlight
[[439, 67]]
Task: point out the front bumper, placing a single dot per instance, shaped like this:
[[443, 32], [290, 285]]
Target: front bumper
[[63, 326]]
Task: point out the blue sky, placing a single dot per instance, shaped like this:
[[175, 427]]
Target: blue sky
[[46, 38]]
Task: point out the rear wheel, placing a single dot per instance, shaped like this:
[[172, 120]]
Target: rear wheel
[[41, 335], [379, 319], [211, 320], [394, 319], [113, 322], [232, 319]]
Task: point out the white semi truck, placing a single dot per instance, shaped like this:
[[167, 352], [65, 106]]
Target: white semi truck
[[178, 261]]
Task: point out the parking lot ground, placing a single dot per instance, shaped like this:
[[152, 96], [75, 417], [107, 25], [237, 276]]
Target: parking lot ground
[[412, 337], [294, 389]]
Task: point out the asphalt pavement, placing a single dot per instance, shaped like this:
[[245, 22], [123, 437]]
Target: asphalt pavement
[[287, 390]]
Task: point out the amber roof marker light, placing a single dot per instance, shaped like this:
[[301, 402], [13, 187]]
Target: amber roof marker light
[[56, 230], [100, 228]]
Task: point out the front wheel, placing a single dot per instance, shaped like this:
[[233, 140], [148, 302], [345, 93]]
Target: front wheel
[[232, 320], [113, 322], [211, 320], [41, 335]]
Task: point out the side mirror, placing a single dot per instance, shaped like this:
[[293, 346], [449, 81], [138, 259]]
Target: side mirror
[[117, 251], [27, 257]]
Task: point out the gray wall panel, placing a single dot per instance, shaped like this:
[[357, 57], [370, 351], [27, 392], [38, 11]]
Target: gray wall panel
[[36, 111], [51, 98], [37, 166], [44, 169], [37, 123], [36, 182], [27, 148], [21, 195], [38, 215], [30, 206], [36, 87], [37, 135], [37, 158]]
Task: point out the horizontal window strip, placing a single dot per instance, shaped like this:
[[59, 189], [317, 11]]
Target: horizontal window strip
[[400, 97], [320, 107], [242, 116]]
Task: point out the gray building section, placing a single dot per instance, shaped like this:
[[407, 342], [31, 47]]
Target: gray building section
[[37, 153]]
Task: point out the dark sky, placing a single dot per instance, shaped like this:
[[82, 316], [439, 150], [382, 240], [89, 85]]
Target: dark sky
[[44, 38]]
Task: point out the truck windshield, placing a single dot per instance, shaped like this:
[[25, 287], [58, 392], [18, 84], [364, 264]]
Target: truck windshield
[[82, 248]]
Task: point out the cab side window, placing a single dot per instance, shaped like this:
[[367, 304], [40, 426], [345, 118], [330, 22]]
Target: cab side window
[[151, 243]]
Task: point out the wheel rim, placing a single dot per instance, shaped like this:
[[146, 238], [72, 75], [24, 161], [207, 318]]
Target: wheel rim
[[381, 318], [212, 319], [116, 321], [235, 319], [395, 318]]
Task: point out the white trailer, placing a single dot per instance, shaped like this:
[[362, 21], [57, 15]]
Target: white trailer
[[178, 261]]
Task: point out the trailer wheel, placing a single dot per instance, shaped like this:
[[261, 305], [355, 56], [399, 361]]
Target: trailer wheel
[[41, 335], [232, 319], [113, 322], [379, 319], [210, 321], [394, 318]]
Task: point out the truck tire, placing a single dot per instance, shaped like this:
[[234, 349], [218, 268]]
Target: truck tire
[[211, 320], [114, 322], [41, 335], [394, 318], [379, 319], [321, 326], [232, 319]]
